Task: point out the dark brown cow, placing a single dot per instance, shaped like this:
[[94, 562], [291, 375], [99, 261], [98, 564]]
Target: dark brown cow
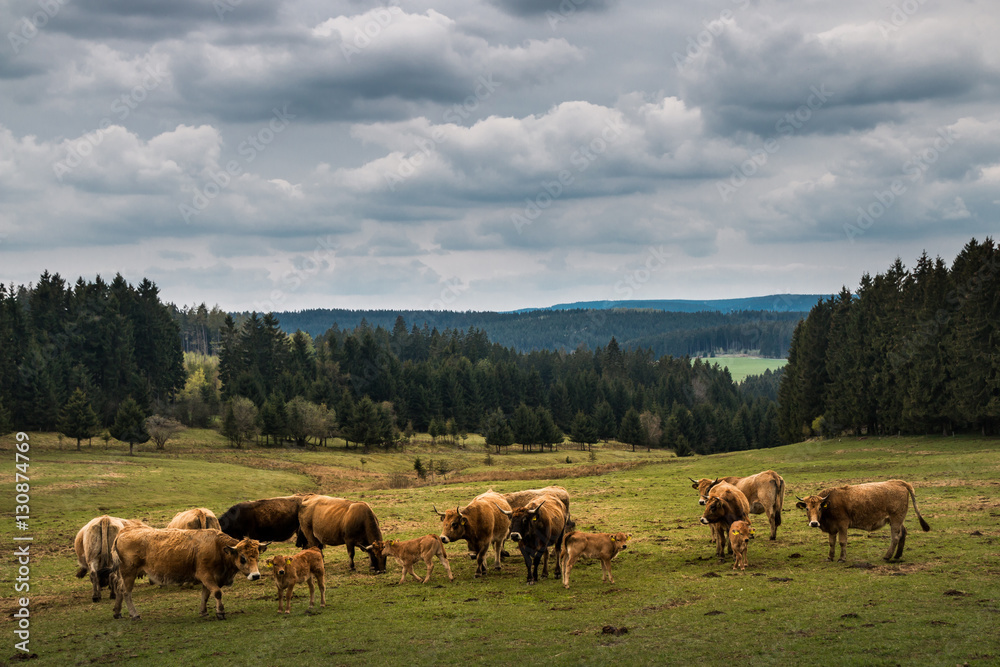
[[93, 550], [481, 524], [765, 492], [725, 505], [604, 546], [302, 567], [269, 519], [175, 556], [534, 528], [409, 552], [864, 507], [334, 521], [199, 517]]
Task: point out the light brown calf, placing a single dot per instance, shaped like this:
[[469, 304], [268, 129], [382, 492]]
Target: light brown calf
[[409, 552], [740, 534], [604, 546], [302, 567]]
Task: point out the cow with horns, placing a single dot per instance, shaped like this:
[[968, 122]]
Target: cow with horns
[[482, 524], [535, 527]]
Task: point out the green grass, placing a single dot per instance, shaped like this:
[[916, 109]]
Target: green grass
[[679, 604], [742, 367]]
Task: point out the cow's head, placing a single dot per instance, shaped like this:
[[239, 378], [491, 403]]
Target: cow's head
[[715, 510], [278, 564], [815, 507], [378, 551], [522, 520], [245, 555], [453, 524], [703, 485], [740, 532], [620, 541]]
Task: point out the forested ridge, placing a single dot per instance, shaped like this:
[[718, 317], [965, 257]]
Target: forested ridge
[[911, 351], [705, 333]]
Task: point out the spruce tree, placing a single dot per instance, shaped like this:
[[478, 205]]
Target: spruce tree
[[130, 424], [77, 419]]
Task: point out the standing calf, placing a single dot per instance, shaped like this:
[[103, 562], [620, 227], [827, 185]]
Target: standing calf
[[303, 566], [740, 534], [409, 552], [604, 546]]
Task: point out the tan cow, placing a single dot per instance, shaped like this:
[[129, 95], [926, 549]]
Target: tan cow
[[482, 524], [725, 505], [765, 492], [302, 567], [522, 498], [199, 517], [604, 546], [740, 534], [93, 550], [324, 520], [174, 556], [409, 552], [863, 507]]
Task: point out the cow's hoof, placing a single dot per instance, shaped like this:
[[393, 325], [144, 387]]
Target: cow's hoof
[[221, 616], [841, 560], [137, 617], [118, 615], [98, 599]]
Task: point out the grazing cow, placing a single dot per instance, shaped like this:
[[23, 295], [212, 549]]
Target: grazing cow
[[765, 492], [481, 523], [409, 552], [302, 567], [535, 527], [334, 521], [268, 520], [178, 556], [864, 507], [521, 498], [725, 505], [740, 534], [604, 546], [199, 517], [93, 550]]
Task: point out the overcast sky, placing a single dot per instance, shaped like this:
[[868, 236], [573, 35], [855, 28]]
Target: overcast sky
[[492, 154]]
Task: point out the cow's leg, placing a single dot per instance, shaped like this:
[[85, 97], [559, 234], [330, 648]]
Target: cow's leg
[[125, 595], [312, 592], [443, 557], [843, 546], [527, 562], [96, 581], [545, 563], [771, 520], [288, 599], [212, 588], [497, 547], [203, 610], [833, 545], [281, 601], [350, 554], [902, 542], [322, 589], [606, 567], [429, 562], [567, 566]]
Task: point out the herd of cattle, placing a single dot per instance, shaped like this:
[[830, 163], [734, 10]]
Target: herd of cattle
[[199, 548]]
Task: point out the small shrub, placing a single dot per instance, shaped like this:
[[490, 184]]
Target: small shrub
[[399, 480]]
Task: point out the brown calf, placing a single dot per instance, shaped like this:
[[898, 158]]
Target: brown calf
[[863, 507], [604, 546], [302, 567], [409, 552], [740, 533]]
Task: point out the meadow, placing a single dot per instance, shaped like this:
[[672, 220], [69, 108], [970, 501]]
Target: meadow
[[672, 601], [742, 367]]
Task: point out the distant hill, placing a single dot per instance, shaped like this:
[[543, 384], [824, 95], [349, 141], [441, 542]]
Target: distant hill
[[776, 303]]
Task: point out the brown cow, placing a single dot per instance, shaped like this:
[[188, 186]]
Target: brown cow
[[409, 552], [535, 527], [604, 546], [864, 507], [521, 498], [302, 567], [481, 523], [725, 505], [199, 517], [175, 556], [740, 534], [93, 550], [334, 521], [765, 492]]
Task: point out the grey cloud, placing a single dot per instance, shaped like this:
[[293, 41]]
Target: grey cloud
[[563, 8]]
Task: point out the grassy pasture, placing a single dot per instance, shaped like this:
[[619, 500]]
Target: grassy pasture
[[741, 367], [940, 605]]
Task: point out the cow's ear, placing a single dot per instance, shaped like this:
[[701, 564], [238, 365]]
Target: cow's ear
[[262, 547], [612, 538], [465, 522], [824, 505], [801, 505]]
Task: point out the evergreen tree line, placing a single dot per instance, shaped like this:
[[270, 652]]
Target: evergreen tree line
[[912, 351], [110, 341], [703, 333], [379, 383]]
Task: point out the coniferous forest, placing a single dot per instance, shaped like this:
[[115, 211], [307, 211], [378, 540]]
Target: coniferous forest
[[911, 351]]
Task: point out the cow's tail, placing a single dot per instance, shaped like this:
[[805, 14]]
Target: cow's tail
[[923, 524], [114, 560], [202, 520], [779, 501]]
